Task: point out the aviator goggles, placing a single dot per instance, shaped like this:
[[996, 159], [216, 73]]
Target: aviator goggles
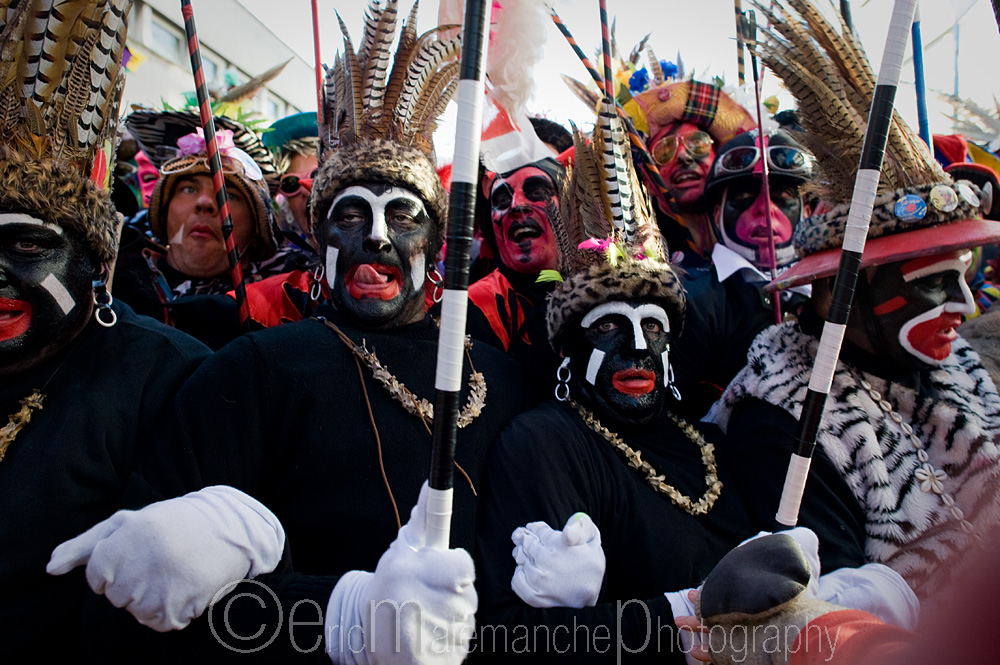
[[697, 144], [783, 159]]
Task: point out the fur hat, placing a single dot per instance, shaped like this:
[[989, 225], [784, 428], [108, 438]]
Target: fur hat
[[610, 247], [380, 160], [58, 131], [45, 188], [918, 209], [378, 122]]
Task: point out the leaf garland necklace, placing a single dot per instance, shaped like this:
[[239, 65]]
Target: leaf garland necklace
[[33, 402], [418, 406], [634, 458]]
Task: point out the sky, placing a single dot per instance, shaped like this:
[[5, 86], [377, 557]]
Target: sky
[[702, 31]]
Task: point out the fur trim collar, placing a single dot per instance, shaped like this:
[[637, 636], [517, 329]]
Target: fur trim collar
[[909, 530]]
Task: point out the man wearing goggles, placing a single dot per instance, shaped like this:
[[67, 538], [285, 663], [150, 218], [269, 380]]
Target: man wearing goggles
[[728, 308], [686, 121], [294, 142]]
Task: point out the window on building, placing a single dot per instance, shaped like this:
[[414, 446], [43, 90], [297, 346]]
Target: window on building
[[166, 40], [272, 107], [210, 68]]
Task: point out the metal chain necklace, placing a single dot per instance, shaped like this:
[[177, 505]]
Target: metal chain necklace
[[418, 406], [930, 479], [634, 458]]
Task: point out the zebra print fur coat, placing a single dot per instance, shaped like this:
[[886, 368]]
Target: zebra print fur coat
[[912, 531]]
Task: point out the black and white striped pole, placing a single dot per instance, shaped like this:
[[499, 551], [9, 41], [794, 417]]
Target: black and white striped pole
[[855, 234], [455, 301]]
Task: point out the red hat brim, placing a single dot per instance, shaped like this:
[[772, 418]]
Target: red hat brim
[[892, 248]]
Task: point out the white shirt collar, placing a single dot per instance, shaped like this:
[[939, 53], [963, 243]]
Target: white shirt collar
[[727, 263]]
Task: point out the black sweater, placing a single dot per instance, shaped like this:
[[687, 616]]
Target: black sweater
[[281, 415], [70, 467], [548, 465]]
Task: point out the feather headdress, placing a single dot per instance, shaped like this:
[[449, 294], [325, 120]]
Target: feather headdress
[[378, 121], [610, 246], [828, 73], [60, 63]]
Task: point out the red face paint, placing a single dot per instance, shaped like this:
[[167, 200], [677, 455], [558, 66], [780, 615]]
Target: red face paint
[[634, 381], [933, 338], [521, 205], [15, 317]]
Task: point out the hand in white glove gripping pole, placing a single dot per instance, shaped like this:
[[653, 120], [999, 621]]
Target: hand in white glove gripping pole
[[166, 562], [417, 608], [558, 568]]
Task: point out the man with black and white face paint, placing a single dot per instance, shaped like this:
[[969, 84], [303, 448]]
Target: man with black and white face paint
[[328, 418], [728, 306], [378, 242]]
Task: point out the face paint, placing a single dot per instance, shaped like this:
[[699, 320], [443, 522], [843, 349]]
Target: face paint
[[522, 205], [194, 227], [382, 240], [685, 172], [46, 290], [741, 218], [148, 175], [621, 351], [918, 304]]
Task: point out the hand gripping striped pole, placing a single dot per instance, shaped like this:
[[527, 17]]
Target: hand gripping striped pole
[[855, 234], [215, 163], [455, 301]]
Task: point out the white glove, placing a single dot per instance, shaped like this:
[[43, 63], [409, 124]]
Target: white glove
[[418, 607], [873, 587], [166, 562], [558, 568]]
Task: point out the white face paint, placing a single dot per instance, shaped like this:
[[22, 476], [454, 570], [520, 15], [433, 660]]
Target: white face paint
[[635, 314], [594, 365], [59, 293], [21, 218], [331, 265], [380, 229], [418, 272]]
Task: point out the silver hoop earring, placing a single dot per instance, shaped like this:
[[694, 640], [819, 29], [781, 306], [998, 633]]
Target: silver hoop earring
[[437, 280], [670, 382], [102, 307], [563, 375], [316, 288]]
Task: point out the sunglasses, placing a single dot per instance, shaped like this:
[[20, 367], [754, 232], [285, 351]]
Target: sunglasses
[[780, 158], [230, 166], [293, 184], [697, 144]]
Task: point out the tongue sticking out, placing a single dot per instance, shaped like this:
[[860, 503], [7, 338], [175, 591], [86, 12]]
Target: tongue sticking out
[[369, 281]]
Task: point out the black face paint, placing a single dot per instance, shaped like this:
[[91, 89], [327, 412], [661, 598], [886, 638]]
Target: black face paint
[[46, 289], [379, 243], [619, 361]]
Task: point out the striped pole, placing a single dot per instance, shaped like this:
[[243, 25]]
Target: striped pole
[[638, 145], [855, 234], [750, 25], [740, 65], [455, 301], [318, 66], [215, 163], [923, 124]]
